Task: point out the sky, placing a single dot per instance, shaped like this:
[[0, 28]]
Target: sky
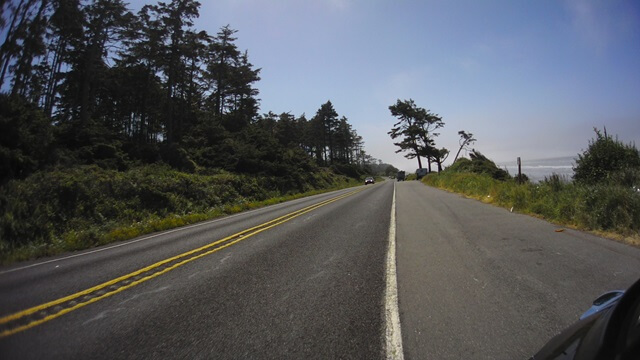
[[529, 79]]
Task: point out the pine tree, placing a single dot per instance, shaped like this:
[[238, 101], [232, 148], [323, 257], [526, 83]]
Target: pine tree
[[324, 124], [415, 129], [229, 79]]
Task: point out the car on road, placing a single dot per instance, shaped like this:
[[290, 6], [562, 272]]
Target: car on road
[[369, 180], [610, 329], [401, 176], [422, 172]]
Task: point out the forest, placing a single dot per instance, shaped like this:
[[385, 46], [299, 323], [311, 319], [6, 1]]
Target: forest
[[109, 117], [93, 83]]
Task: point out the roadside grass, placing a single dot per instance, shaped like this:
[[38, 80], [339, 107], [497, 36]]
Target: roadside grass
[[608, 210], [74, 209]]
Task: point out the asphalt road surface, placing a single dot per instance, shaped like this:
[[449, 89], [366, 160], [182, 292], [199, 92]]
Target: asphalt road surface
[[307, 279]]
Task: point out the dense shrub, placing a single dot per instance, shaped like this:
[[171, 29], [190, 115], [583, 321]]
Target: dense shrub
[[610, 208], [26, 138], [608, 161], [79, 207], [177, 158], [603, 197], [349, 170], [479, 164], [596, 207]]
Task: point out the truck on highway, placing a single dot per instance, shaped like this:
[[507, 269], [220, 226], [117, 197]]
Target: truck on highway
[[400, 176]]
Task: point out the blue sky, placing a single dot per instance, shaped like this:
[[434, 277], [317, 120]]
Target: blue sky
[[527, 78]]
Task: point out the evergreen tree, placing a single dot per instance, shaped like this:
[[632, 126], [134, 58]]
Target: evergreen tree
[[288, 132], [83, 86], [415, 129], [229, 79], [31, 37], [324, 124], [344, 141], [65, 30], [171, 23], [115, 87]]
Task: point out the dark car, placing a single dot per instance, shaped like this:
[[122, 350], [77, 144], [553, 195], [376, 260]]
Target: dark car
[[369, 180], [400, 176], [610, 329]]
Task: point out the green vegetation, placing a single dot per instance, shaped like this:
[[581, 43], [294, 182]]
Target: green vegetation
[[115, 124], [608, 200], [88, 206], [415, 133], [608, 161], [466, 139], [479, 164]]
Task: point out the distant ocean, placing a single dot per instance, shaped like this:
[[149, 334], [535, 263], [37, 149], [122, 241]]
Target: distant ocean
[[537, 170]]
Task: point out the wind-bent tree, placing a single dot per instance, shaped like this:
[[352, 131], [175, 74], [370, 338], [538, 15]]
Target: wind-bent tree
[[406, 128], [427, 134], [439, 156], [415, 129], [466, 139]]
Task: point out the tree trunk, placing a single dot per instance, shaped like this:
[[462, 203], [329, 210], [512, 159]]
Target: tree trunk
[[50, 91], [5, 56], [458, 153]]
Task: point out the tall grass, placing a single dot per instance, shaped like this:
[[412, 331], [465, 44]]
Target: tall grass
[[609, 208], [72, 209]]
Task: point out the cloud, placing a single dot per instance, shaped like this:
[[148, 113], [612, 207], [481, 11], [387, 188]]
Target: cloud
[[469, 64], [402, 84], [339, 4], [591, 22]]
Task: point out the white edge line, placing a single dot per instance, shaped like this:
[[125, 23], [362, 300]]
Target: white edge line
[[393, 334], [206, 222]]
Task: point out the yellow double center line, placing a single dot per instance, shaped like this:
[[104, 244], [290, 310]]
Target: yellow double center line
[[37, 315]]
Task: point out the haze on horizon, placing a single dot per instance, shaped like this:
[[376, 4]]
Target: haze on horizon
[[527, 78]]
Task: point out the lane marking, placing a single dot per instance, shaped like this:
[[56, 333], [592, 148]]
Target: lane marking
[[22, 320], [206, 222], [393, 333]]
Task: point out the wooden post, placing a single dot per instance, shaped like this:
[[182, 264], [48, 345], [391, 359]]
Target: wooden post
[[519, 171]]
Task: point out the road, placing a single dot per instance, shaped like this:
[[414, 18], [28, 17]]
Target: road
[[479, 282], [307, 279]]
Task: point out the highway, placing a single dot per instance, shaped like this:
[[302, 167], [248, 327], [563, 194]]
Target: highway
[[480, 282], [309, 279]]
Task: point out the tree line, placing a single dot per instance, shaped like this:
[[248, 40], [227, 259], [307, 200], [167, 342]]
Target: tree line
[[93, 83]]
